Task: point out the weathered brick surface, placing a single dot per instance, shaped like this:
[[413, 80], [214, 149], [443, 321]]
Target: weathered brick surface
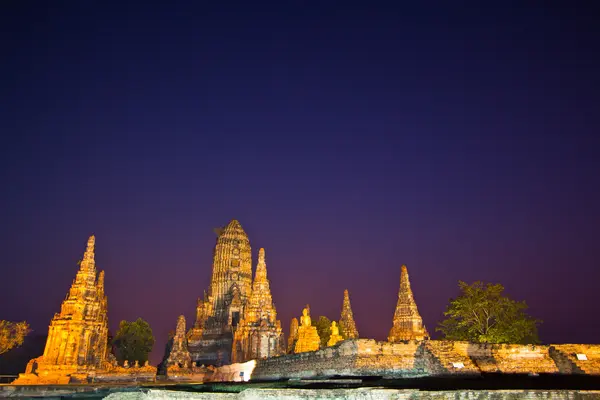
[[446, 358], [360, 357], [509, 358], [390, 360], [330, 361], [365, 357], [565, 357]]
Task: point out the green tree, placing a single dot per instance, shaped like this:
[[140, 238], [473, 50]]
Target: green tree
[[323, 325], [481, 313], [133, 341], [12, 334]]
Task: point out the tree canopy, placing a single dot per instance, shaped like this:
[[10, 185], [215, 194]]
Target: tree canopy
[[133, 341], [481, 313], [323, 325], [12, 334]]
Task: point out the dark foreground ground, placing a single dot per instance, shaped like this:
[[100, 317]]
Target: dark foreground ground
[[486, 387]]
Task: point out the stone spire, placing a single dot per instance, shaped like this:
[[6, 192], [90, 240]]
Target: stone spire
[[179, 354], [88, 263], [260, 304], [219, 312], [77, 336], [232, 265], [347, 325], [261, 269], [258, 334], [408, 324]]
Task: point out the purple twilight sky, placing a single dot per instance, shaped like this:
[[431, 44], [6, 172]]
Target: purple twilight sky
[[457, 138]]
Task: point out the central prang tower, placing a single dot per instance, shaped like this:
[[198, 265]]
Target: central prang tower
[[219, 312]]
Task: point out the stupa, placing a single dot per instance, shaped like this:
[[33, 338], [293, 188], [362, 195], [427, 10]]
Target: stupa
[[347, 325], [78, 336], [179, 354], [258, 335], [408, 324]]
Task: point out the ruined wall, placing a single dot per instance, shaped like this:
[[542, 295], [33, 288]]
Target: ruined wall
[[361, 357], [448, 358], [322, 363], [364, 357], [389, 360], [509, 358], [576, 358], [121, 374]]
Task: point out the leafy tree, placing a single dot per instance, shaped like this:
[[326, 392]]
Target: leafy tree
[[133, 341], [12, 334], [323, 325], [482, 314]]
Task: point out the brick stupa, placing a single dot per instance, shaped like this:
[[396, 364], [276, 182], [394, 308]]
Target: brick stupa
[[78, 335], [408, 324], [347, 325], [259, 334], [179, 354]]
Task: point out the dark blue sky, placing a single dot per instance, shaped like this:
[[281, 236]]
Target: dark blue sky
[[457, 138]]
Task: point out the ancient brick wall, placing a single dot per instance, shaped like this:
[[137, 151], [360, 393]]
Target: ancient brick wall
[[576, 358], [120, 374], [390, 360], [447, 358], [364, 357], [360, 357], [331, 361], [509, 358]]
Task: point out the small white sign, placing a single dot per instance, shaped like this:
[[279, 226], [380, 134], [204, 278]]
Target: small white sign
[[581, 357], [458, 365]]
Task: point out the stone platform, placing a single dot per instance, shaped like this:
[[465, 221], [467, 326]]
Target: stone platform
[[494, 387]]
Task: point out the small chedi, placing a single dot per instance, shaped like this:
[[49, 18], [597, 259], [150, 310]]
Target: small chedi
[[236, 319], [179, 356], [293, 336], [307, 337], [258, 334], [78, 336], [347, 325], [177, 363], [335, 336], [408, 324]]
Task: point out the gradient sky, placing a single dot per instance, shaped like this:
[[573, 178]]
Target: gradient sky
[[457, 138]]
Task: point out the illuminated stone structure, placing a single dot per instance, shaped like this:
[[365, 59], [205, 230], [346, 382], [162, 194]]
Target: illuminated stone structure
[[308, 337], [408, 324], [293, 336], [179, 354], [219, 312], [347, 325], [259, 334], [77, 336], [335, 336]]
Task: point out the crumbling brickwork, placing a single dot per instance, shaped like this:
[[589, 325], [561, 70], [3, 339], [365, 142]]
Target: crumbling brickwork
[[576, 358]]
